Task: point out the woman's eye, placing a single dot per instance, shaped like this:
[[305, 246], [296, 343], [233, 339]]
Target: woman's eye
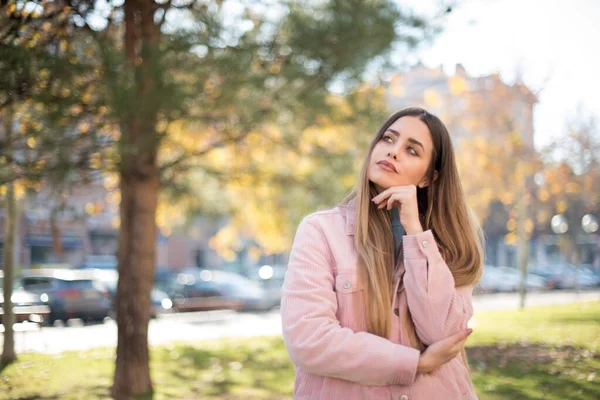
[[412, 151], [388, 138]]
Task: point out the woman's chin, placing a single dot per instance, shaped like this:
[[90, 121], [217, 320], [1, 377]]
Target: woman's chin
[[380, 186]]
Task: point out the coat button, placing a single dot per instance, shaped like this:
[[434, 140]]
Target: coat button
[[347, 285], [425, 244], [404, 397]]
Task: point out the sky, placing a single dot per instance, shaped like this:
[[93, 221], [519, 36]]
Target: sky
[[554, 44]]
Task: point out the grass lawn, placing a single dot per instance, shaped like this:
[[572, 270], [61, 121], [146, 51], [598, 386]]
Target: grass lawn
[[541, 353]]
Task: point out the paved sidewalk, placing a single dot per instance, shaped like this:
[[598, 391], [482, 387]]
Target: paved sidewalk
[[190, 327]]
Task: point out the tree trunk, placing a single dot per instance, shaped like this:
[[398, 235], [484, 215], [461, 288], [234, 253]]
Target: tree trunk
[[8, 319], [522, 247], [136, 254], [56, 236], [139, 195]]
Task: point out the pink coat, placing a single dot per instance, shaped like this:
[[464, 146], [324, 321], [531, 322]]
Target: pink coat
[[325, 331]]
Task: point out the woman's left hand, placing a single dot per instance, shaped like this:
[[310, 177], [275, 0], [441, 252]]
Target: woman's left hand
[[405, 199]]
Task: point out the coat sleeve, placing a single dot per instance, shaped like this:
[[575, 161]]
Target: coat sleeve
[[438, 308], [314, 338]]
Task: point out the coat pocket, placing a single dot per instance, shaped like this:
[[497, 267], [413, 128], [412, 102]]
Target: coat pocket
[[350, 299]]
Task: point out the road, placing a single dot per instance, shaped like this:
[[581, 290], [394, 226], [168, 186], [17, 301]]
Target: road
[[218, 324]]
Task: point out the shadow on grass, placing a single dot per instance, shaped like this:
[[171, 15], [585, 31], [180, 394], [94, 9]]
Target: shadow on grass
[[525, 372], [254, 369], [577, 320], [3, 365], [86, 392]]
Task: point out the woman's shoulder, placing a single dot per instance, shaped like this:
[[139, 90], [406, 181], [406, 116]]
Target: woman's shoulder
[[324, 213], [329, 222]]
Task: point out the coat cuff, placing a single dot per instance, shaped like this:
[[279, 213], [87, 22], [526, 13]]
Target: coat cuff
[[407, 360], [420, 246]]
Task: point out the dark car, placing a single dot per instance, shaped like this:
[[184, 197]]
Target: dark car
[[159, 301], [27, 306], [69, 293], [196, 289]]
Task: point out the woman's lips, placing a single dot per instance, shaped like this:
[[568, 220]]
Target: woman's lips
[[387, 166]]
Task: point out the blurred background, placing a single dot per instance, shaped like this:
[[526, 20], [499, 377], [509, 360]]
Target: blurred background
[[157, 157]]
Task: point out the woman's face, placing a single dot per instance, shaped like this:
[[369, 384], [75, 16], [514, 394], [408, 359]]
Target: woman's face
[[402, 156]]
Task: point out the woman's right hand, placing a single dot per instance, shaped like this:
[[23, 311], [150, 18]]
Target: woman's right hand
[[439, 353]]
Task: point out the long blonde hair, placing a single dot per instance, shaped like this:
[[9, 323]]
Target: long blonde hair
[[442, 208]]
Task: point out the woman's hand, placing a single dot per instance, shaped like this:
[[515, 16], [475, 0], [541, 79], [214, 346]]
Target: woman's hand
[[439, 353], [405, 199]]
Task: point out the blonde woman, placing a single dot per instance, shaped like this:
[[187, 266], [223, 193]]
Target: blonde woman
[[377, 294]]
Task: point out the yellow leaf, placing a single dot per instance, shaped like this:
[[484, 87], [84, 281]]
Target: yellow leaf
[[458, 85], [397, 89], [90, 208], [529, 225], [511, 238], [84, 128], [431, 98], [19, 190], [111, 181], [95, 161], [511, 225], [543, 195]]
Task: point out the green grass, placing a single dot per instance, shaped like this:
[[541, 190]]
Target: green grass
[[541, 353]]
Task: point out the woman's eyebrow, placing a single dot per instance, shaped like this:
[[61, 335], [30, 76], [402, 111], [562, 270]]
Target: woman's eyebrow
[[411, 140], [394, 132], [415, 141]]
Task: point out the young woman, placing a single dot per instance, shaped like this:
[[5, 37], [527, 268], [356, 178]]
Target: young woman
[[377, 294]]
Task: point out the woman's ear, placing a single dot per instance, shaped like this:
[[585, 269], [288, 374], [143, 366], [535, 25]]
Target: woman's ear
[[425, 182]]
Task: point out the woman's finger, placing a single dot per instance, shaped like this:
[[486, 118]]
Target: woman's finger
[[384, 195], [390, 202]]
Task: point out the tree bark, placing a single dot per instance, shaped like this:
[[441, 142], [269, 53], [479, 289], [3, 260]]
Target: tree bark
[[136, 254], [522, 246], [139, 186], [8, 319], [56, 236]]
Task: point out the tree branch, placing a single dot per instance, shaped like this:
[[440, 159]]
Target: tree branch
[[200, 153]]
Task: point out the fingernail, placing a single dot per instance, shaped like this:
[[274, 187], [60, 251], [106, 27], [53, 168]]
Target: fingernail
[[469, 331]]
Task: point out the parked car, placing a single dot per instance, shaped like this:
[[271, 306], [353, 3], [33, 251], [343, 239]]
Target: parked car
[[532, 282], [69, 293], [492, 281], [194, 289], [565, 275], [103, 262], [270, 278], [506, 279], [159, 301], [27, 306]]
